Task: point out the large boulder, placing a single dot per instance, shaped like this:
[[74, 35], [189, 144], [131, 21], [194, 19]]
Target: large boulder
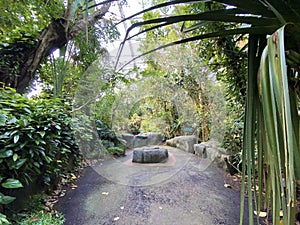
[[150, 155], [212, 151], [140, 140], [128, 139], [147, 139], [185, 143]]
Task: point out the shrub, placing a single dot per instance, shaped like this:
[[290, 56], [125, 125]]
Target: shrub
[[36, 142]]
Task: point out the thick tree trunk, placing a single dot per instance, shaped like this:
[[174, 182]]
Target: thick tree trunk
[[56, 35], [53, 37]]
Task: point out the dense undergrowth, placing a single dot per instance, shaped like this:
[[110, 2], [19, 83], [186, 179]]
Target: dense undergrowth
[[36, 145]]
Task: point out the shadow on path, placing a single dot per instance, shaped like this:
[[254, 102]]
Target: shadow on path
[[184, 191]]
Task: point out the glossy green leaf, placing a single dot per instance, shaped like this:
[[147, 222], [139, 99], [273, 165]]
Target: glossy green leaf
[[6, 154], [16, 138], [4, 199], [42, 133], [3, 219], [11, 183], [18, 164], [15, 157]]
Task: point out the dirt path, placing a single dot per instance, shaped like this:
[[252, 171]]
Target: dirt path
[[184, 191]]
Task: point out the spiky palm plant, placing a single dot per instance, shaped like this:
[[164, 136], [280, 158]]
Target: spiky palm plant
[[271, 142]]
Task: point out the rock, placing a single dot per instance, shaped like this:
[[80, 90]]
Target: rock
[[200, 150], [147, 139], [185, 143], [140, 140], [221, 162], [211, 150], [129, 139], [212, 153], [150, 155]]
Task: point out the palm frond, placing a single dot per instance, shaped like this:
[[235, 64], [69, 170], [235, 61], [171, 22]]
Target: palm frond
[[249, 30]]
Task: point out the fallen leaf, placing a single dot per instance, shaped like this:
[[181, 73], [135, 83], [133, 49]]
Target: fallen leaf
[[73, 186], [116, 218], [260, 214], [33, 219], [73, 176], [227, 185]]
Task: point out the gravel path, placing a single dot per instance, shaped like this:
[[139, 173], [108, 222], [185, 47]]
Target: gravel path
[[184, 191]]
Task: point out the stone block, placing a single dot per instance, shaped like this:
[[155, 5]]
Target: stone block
[[149, 155]]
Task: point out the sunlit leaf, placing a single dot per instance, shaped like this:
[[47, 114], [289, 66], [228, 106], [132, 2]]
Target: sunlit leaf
[[16, 138], [260, 214], [15, 157]]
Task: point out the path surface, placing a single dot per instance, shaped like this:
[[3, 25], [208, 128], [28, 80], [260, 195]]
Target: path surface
[[184, 191]]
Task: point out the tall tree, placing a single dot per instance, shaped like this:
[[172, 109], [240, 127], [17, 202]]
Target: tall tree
[[32, 30]]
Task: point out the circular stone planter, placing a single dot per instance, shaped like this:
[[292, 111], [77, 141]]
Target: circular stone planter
[[150, 155]]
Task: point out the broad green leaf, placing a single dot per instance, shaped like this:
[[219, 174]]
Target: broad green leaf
[[18, 164], [4, 199], [6, 154], [3, 219], [12, 183], [42, 133]]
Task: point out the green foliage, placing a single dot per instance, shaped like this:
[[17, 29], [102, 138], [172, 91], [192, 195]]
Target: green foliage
[[43, 218], [36, 141], [109, 139], [36, 203], [273, 127], [271, 131], [24, 20], [233, 138]]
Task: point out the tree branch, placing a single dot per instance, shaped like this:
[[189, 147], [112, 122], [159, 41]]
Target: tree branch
[[92, 19]]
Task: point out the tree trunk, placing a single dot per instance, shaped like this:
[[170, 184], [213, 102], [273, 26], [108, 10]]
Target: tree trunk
[[26, 58]]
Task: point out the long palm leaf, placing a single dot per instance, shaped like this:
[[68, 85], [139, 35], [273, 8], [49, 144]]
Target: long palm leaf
[[274, 118]]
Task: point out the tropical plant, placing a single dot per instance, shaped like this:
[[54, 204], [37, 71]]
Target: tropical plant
[[271, 132], [32, 29], [36, 142]]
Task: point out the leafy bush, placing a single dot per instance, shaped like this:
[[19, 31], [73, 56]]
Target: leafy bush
[[233, 138], [36, 142], [109, 139]]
